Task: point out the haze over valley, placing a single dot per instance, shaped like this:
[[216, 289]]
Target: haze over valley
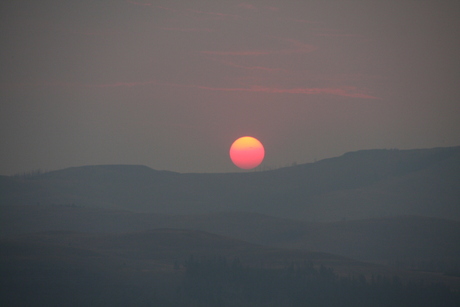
[[369, 213], [275, 153]]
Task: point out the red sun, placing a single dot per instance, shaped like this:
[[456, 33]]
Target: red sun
[[247, 152]]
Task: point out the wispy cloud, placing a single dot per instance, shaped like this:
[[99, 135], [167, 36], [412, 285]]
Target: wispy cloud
[[247, 6], [332, 33], [242, 53], [152, 6], [186, 12], [342, 91], [189, 29], [63, 84], [347, 77], [123, 84], [299, 20], [346, 91], [252, 7], [261, 68], [214, 14], [167, 9], [139, 3], [296, 47]]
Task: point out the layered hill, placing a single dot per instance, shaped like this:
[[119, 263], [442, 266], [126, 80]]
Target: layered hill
[[161, 250], [140, 268], [115, 232], [403, 241], [363, 184]]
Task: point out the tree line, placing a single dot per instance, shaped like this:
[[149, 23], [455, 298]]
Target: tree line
[[220, 282]]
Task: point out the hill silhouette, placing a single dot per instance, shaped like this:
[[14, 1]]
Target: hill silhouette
[[357, 185], [404, 241], [157, 266], [373, 222]]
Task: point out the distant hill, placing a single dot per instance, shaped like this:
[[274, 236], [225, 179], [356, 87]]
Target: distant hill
[[357, 185], [155, 267], [125, 234], [405, 241], [161, 247], [161, 250]]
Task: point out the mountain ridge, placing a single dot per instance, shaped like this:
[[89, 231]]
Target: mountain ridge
[[405, 241], [356, 185]]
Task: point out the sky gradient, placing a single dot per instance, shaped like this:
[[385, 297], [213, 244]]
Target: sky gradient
[[171, 84]]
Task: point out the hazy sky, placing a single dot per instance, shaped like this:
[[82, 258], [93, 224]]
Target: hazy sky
[[171, 84]]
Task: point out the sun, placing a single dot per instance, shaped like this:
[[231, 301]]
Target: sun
[[247, 152]]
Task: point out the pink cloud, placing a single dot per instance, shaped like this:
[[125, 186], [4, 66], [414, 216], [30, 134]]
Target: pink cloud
[[334, 35], [214, 14], [123, 84], [247, 6], [251, 67], [189, 29], [346, 91], [139, 3], [301, 20], [296, 47], [243, 53], [347, 77], [166, 8], [343, 91]]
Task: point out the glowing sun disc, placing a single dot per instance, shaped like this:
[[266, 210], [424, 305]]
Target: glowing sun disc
[[247, 152]]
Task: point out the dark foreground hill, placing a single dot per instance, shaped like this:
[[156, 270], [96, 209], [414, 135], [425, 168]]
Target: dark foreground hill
[[357, 185], [405, 241], [168, 267]]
